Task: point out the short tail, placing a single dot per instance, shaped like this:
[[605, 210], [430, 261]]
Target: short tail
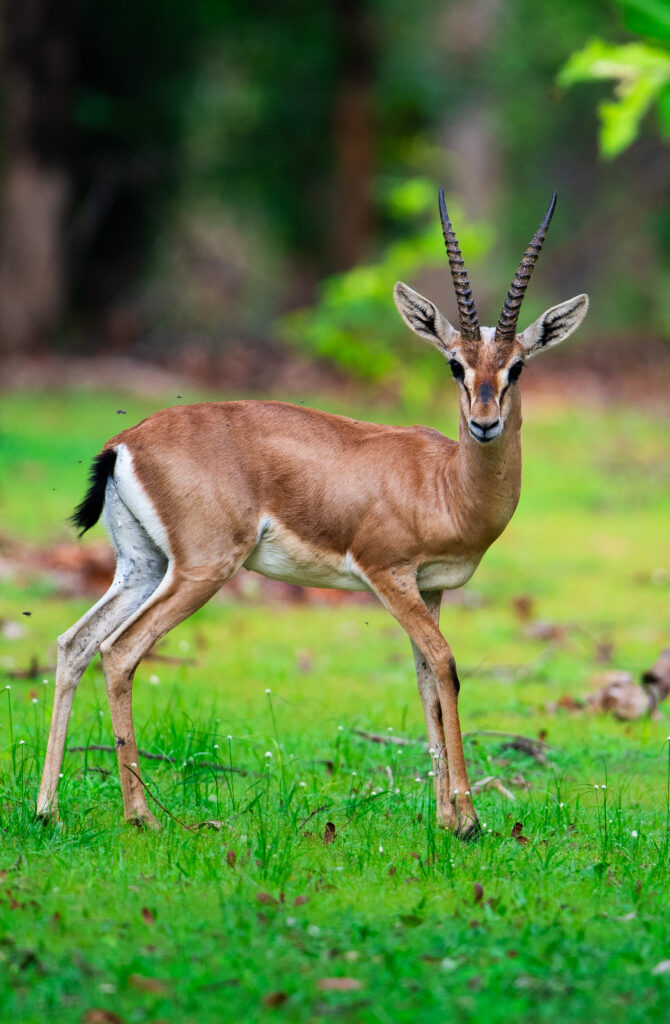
[[88, 512]]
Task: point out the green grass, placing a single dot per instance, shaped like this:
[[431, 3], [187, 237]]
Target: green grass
[[165, 927]]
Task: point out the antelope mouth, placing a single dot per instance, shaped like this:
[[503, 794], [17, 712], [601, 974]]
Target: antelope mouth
[[484, 436]]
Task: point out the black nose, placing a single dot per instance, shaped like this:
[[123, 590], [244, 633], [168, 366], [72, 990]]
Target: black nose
[[484, 428]]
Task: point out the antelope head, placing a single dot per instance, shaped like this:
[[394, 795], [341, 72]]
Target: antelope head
[[487, 361]]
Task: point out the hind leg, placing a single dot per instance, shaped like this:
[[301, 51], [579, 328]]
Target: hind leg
[[178, 596], [140, 568]]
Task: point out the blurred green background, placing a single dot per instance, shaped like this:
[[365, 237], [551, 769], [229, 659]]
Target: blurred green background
[[222, 186]]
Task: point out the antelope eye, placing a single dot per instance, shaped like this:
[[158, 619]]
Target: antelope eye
[[515, 372], [457, 370]]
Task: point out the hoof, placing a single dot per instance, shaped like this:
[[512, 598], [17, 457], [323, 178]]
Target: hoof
[[144, 821], [469, 830], [48, 816]]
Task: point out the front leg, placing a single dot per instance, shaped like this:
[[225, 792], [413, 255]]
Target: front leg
[[402, 598], [432, 709]]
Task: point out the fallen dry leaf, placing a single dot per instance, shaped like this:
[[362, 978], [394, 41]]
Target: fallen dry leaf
[[275, 999], [267, 898], [338, 984], [621, 696], [479, 892], [656, 680], [231, 857], [299, 901], [148, 916], [96, 1016], [145, 984], [329, 833], [540, 629], [516, 833]]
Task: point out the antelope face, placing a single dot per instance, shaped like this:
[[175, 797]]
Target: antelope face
[[487, 362], [485, 377]]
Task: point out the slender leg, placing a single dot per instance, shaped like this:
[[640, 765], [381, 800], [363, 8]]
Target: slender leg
[[403, 600], [428, 691], [176, 599], [76, 649]]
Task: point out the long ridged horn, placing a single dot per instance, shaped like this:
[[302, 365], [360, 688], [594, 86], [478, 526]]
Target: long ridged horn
[[459, 275], [506, 328]]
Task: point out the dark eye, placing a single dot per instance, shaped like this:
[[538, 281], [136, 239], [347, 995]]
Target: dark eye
[[515, 372], [457, 370]]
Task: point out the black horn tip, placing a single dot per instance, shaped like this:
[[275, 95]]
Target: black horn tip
[[443, 207], [550, 212]]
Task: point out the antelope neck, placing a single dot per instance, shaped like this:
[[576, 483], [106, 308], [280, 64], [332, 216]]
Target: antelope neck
[[489, 475]]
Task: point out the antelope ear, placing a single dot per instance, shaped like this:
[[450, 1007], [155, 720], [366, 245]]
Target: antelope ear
[[424, 318], [555, 325]]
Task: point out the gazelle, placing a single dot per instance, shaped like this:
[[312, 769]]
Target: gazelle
[[193, 493]]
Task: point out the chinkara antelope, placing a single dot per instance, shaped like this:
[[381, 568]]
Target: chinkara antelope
[[193, 493]]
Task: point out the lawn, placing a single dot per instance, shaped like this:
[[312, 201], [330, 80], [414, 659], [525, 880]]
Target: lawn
[[324, 891]]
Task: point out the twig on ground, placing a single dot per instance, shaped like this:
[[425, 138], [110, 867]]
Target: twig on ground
[[492, 782], [309, 816], [381, 737], [189, 828], [214, 765]]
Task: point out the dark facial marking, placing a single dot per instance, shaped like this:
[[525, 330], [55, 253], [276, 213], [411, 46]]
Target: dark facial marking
[[486, 393], [515, 372]]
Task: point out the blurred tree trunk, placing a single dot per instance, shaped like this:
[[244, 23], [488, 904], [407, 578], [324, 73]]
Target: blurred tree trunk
[[353, 135], [36, 77]]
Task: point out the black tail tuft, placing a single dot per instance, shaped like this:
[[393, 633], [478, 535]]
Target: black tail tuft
[[88, 512]]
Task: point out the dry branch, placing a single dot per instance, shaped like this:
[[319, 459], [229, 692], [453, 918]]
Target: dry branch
[[214, 765]]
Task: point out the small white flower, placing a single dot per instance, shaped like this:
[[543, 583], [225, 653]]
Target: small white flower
[[354, 773], [603, 787], [431, 750], [216, 746], [290, 921], [35, 700], [302, 784], [229, 736], [8, 687], [596, 787], [634, 833], [313, 929], [381, 849], [340, 728], [21, 742], [45, 682], [101, 713], [418, 780], [212, 798], [154, 680], [431, 774], [60, 775], [107, 988], [133, 764], [396, 790], [561, 804], [389, 728], [268, 690], [268, 753], [399, 751], [184, 645], [467, 792], [483, 824]]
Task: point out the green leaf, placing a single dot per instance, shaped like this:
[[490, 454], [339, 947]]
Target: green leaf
[[647, 17]]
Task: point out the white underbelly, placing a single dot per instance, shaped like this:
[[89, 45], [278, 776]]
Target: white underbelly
[[282, 555], [446, 575]]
